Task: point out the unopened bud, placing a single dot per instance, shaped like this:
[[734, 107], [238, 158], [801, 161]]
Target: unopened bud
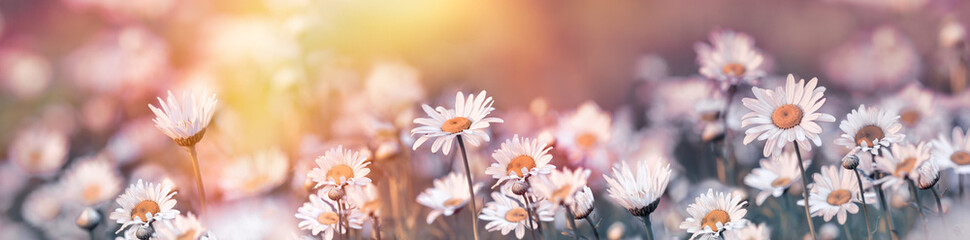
[[336, 194], [144, 232], [850, 161], [88, 219], [520, 187]]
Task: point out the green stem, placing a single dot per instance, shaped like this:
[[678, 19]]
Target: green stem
[[528, 208], [865, 206], [848, 235], [471, 189], [646, 224], [572, 221], [801, 166], [595, 233], [885, 211]]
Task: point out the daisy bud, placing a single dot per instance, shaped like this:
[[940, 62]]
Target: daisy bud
[[646, 210], [929, 182], [88, 219], [850, 161], [336, 194], [520, 187], [144, 232]]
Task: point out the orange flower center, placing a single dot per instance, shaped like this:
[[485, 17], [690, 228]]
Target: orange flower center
[[456, 125], [328, 218], [710, 116], [561, 193], [586, 140], [342, 170], [787, 116], [516, 215], [453, 202], [187, 235], [960, 158], [781, 182], [146, 206], [902, 168], [734, 69], [91, 193], [838, 197], [910, 117], [714, 217], [520, 162], [868, 135]]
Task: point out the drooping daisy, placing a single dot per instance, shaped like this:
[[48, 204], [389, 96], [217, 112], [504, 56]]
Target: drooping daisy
[[506, 213], [750, 232], [785, 115], [713, 213], [319, 214], [448, 194], [263, 170], [560, 187], [903, 162], [953, 152], [143, 204], [583, 205], [39, 151], [585, 133], [639, 189], [870, 129], [185, 119], [835, 192], [468, 119], [92, 181], [929, 174], [520, 158], [339, 167], [774, 176], [731, 60]]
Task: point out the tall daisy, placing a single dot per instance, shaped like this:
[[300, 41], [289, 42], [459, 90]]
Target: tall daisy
[[340, 167], [92, 181], [185, 121], [507, 213], [834, 193], [520, 158], [731, 58], [585, 133], [143, 204], [785, 115], [870, 129], [447, 196], [953, 152], [638, 189], [774, 176], [320, 214], [902, 163], [469, 120], [713, 213]]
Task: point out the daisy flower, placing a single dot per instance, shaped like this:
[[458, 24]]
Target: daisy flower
[[184, 227], [583, 205], [774, 176], [92, 181], [584, 133], [901, 163], [785, 115], [713, 213], [263, 170], [870, 129], [835, 192], [953, 152], [45, 207], [39, 151], [508, 213], [639, 189], [731, 58], [750, 232], [338, 167], [560, 187], [366, 199], [185, 119], [448, 194], [468, 119], [520, 158], [144, 203], [919, 112], [880, 60], [929, 174], [320, 215]]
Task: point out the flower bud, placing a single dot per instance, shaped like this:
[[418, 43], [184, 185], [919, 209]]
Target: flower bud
[[336, 194], [850, 161], [144, 232], [88, 219], [520, 187]]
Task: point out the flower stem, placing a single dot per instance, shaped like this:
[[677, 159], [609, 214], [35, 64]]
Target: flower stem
[[471, 189], [572, 221], [590, 221], [885, 210], [377, 226], [646, 224], [919, 204], [848, 235], [730, 167], [939, 204], [801, 166], [198, 177], [528, 208], [865, 206], [340, 220]]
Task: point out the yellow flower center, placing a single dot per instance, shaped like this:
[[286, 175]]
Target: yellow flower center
[[342, 170], [372, 206], [520, 162], [456, 125], [714, 217], [187, 235], [838, 197], [516, 215], [328, 218], [146, 206], [586, 140], [868, 135], [910, 117], [902, 168], [734, 69], [453, 202], [91, 193], [960, 158], [561, 193], [781, 182], [787, 116]]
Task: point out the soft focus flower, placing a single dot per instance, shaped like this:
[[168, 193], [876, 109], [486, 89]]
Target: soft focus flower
[[560, 186], [713, 213], [184, 227], [519, 159], [251, 175], [448, 194], [834, 193], [870, 129], [47, 208], [902, 163], [750, 232], [24, 74], [952, 33], [774, 176], [639, 189], [953, 152], [91, 181], [507, 213], [339, 167], [883, 60], [366, 199], [468, 120], [39, 151], [184, 119], [583, 134], [392, 88], [785, 115], [919, 112], [929, 174], [142, 204], [319, 214], [731, 58]]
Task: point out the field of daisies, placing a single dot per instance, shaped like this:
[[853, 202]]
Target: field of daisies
[[440, 119]]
